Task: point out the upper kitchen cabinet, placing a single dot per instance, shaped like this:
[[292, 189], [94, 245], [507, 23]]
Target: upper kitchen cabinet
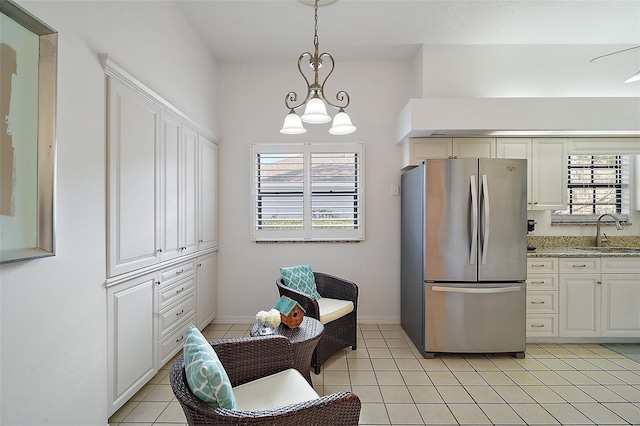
[[547, 169], [162, 180], [415, 150]]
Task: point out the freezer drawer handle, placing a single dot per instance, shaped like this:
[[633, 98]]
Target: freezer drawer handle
[[483, 290]]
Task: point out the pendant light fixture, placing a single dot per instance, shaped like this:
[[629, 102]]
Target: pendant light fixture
[[315, 102]]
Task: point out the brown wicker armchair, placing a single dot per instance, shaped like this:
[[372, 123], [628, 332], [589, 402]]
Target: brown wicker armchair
[[339, 333], [248, 359]]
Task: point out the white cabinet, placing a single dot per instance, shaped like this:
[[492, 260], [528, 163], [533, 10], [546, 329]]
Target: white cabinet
[[133, 196], [207, 289], [621, 297], [547, 169], [207, 194], [542, 297], [162, 183], [415, 150], [130, 338], [580, 297]]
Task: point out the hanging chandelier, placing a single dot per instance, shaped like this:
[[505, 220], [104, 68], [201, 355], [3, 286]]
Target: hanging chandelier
[[315, 102]]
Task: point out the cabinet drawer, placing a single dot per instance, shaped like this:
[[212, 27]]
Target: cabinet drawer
[[177, 272], [172, 344], [170, 294], [621, 265], [542, 264], [172, 316], [542, 302], [542, 282], [540, 325], [584, 265]]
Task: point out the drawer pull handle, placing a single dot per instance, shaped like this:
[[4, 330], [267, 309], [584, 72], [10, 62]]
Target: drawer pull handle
[[179, 272], [579, 266], [537, 282], [180, 339], [537, 303], [538, 266], [178, 291], [180, 313], [537, 325]]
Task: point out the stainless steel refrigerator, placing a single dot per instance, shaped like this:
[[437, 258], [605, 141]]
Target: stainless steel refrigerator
[[463, 261]]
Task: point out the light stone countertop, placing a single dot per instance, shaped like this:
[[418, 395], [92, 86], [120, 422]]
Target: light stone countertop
[[585, 252]]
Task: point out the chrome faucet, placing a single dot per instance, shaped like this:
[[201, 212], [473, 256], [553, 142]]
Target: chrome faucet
[[598, 236]]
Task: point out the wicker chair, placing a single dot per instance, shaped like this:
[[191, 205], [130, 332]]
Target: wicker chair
[[248, 359], [339, 333]]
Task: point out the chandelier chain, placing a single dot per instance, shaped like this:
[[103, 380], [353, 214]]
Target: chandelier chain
[[315, 27]]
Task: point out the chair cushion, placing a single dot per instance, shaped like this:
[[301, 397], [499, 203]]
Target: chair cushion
[[300, 278], [206, 376], [332, 309], [277, 390]]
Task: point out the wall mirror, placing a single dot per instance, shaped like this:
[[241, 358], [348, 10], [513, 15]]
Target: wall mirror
[[28, 53]]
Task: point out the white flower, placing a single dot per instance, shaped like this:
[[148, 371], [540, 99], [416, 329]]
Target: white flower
[[271, 318]]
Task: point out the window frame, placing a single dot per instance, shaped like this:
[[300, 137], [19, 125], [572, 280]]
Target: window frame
[[622, 170], [307, 233]]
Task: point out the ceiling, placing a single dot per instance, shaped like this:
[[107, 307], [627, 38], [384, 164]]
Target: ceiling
[[392, 30]]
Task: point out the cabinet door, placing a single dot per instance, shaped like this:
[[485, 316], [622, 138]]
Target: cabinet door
[[207, 194], [132, 194], [206, 289], [620, 305], [579, 308], [474, 148], [549, 174], [517, 148], [189, 191], [130, 338], [423, 148], [170, 186]]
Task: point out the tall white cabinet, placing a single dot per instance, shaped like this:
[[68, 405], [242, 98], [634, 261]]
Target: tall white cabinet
[[161, 231]]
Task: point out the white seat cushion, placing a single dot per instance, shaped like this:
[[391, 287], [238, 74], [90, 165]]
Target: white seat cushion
[[280, 389], [332, 309]]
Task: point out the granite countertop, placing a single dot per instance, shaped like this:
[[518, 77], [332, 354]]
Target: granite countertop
[[585, 252], [553, 246]]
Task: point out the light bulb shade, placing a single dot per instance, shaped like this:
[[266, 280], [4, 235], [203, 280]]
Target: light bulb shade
[[342, 124], [633, 78], [292, 125], [315, 112]]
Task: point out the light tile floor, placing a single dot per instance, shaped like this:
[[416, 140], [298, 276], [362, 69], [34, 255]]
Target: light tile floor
[[576, 384]]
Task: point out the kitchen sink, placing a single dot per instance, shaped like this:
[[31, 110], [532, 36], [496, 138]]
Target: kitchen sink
[[612, 249]]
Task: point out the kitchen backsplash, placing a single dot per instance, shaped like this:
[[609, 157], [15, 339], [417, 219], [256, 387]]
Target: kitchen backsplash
[[565, 241]]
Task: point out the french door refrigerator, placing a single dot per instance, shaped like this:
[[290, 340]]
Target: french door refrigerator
[[463, 260]]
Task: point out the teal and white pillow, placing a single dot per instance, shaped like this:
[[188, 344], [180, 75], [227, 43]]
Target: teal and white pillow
[[300, 278], [205, 374]]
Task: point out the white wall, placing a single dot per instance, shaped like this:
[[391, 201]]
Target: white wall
[[53, 311], [253, 98]]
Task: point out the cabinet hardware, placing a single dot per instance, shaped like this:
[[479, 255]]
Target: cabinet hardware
[[599, 282], [537, 282], [537, 303], [201, 241], [180, 339], [157, 282], [537, 325], [199, 265], [178, 291], [579, 266], [538, 265], [159, 250], [180, 313], [535, 202], [179, 272]]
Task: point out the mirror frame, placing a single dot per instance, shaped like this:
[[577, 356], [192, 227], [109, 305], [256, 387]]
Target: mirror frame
[[46, 136]]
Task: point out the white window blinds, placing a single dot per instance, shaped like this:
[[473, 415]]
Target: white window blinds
[[307, 192]]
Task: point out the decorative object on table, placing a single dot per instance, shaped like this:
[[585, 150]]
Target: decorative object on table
[[268, 321], [291, 313]]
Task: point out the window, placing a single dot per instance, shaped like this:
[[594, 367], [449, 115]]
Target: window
[[596, 184], [307, 192]]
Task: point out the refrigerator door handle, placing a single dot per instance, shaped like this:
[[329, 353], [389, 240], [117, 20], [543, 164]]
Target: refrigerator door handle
[[482, 290], [473, 254], [484, 190]]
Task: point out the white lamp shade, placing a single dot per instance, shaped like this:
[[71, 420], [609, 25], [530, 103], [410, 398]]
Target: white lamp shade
[[633, 78], [292, 125], [315, 112], [342, 124]]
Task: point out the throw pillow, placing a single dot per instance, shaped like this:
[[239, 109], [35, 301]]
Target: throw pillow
[[300, 278], [205, 374]]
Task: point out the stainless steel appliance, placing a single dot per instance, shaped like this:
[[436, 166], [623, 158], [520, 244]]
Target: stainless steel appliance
[[464, 248]]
